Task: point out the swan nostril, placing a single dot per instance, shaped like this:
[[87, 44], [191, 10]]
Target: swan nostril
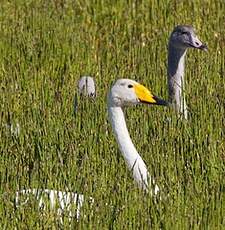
[[197, 43]]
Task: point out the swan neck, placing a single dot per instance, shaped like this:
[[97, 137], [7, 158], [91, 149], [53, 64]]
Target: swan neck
[[176, 59], [126, 146], [122, 135]]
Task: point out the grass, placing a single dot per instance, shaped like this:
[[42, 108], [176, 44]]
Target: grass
[[45, 47]]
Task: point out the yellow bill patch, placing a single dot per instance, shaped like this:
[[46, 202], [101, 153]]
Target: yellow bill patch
[[144, 94]]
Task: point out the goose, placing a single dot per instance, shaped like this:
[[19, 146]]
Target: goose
[[182, 38], [124, 92]]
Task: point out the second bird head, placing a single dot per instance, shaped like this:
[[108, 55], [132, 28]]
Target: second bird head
[[184, 36]]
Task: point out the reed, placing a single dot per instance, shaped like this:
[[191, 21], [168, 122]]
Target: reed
[[45, 47]]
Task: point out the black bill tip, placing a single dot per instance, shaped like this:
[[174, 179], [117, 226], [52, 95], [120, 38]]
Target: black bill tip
[[203, 47], [160, 101]]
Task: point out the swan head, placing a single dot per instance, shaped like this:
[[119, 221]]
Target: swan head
[[184, 36], [127, 92], [86, 86]]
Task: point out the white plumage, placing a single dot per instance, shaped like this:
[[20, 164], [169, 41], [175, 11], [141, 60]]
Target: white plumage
[[124, 92], [59, 201], [86, 86], [127, 92]]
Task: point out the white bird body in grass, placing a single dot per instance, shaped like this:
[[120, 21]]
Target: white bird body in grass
[[60, 201], [182, 38], [124, 92]]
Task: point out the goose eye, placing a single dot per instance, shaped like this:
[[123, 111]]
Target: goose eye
[[130, 86]]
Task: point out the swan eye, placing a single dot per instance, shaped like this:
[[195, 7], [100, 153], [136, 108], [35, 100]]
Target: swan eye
[[130, 86]]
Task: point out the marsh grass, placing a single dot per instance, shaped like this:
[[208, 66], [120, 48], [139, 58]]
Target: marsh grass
[[45, 47]]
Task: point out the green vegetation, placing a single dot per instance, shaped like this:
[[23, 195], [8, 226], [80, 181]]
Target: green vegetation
[[45, 46]]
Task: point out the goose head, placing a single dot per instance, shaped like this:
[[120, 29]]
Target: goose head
[[184, 36], [126, 92]]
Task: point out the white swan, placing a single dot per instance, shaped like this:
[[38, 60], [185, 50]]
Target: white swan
[[86, 88], [62, 202], [123, 93], [128, 92], [182, 38]]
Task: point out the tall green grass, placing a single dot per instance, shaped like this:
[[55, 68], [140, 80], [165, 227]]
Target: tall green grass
[[45, 46]]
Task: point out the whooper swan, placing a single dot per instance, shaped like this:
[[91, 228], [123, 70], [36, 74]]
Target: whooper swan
[[127, 92], [124, 92]]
